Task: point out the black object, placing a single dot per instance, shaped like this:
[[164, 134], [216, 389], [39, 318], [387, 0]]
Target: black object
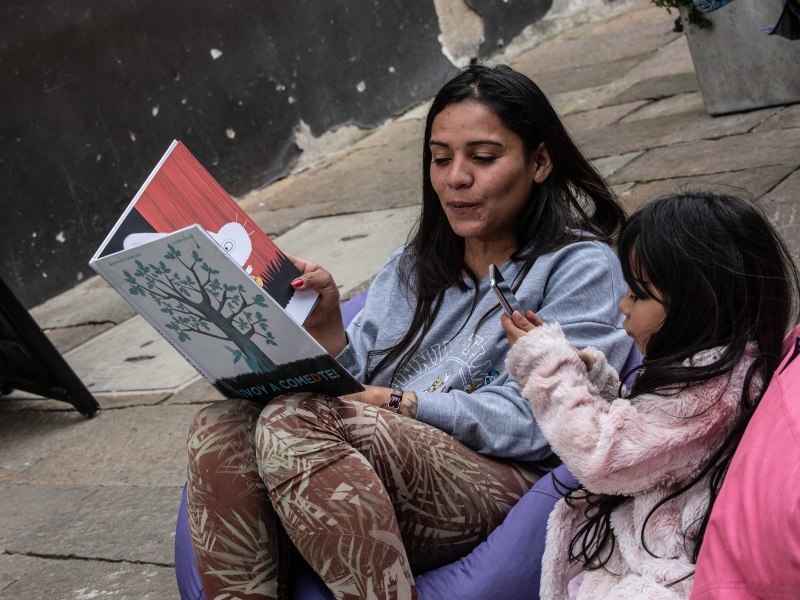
[[788, 24], [30, 362]]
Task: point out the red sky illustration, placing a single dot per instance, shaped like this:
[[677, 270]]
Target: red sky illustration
[[183, 193]]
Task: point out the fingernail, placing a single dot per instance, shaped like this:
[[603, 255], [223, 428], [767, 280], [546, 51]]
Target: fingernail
[[297, 282]]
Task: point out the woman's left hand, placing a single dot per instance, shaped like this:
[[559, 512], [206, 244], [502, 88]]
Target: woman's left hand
[[380, 396], [520, 326]]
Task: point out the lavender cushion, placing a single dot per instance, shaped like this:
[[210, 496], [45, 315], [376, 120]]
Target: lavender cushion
[[506, 566]]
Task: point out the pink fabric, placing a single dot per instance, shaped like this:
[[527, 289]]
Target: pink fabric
[[644, 448], [575, 585], [752, 544]]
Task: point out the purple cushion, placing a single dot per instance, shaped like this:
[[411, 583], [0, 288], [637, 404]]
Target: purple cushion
[[186, 573], [631, 367], [353, 306], [507, 566]]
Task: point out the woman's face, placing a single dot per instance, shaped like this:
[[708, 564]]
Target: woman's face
[[480, 171]]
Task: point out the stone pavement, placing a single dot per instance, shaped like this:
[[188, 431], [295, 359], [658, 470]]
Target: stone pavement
[[90, 505]]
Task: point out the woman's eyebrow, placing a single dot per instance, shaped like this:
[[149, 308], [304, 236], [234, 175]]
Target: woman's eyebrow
[[472, 143], [484, 142]]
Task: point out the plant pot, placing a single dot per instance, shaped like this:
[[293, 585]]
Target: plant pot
[[738, 66]]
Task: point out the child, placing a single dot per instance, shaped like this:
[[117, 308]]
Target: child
[[710, 297]]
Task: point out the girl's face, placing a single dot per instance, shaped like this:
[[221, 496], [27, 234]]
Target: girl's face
[[643, 317], [480, 171]]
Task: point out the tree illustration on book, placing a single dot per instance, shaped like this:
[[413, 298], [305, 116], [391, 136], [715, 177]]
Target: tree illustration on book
[[189, 291]]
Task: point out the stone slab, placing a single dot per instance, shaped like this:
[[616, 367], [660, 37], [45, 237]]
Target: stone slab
[[67, 338], [351, 247], [143, 446], [53, 579], [783, 206], [734, 153], [657, 88], [91, 302], [578, 78], [131, 357], [635, 15], [12, 568], [24, 401], [673, 59], [752, 183], [610, 164], [599, 117], [28, 507], [788, 118], [739, 67], [18, 402], [620, 138], [198, 391], [376, 173], [281, 220], [674, 105], [115, 523], [569, 53]]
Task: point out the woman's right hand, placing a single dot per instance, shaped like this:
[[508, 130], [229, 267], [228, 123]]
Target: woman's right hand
[[325, 321]]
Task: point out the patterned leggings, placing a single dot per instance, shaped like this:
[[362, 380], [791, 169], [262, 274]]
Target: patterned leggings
[[367, 497]]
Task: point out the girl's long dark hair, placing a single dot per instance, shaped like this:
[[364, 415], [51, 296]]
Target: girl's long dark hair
[[726, 279], [574, 202]]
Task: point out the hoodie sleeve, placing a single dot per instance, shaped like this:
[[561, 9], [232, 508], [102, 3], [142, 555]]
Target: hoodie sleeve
[[618, 446]]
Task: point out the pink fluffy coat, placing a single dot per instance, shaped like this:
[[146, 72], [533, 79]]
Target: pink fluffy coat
[[645, 448]]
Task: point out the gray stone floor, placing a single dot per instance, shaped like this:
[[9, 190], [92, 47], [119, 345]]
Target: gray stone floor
[[90, 505]]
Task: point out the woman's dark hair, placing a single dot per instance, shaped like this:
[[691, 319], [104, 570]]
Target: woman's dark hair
[[726, 280], [573, 203]]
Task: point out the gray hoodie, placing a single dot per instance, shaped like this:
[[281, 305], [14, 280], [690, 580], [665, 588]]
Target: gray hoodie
[[459, 373]]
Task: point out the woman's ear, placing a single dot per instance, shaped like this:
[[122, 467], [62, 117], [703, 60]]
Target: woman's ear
[[541, 163]]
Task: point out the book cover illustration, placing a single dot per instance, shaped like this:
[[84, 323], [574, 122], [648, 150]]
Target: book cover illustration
[[201, 300], [180, 192]]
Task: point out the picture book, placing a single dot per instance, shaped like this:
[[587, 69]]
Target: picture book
[[198, 296], [180, 192]]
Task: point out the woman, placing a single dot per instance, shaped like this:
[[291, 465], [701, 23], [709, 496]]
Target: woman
[[417, 470]]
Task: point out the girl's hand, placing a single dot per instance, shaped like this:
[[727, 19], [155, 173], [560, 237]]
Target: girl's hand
[[587, 360], [325, 321], [520, 326]]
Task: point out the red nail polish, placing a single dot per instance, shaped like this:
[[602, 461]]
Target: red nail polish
[[297, 282]]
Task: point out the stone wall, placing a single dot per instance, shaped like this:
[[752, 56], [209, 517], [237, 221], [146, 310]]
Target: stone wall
[[94, 92]]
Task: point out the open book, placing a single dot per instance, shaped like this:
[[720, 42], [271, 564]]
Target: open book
[[180, 192], [214, 305]]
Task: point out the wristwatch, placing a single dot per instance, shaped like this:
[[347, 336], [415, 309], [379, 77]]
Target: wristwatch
[[395, 399]]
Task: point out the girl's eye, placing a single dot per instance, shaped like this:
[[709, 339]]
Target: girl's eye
[[633, 297], [483, 159], [441, 160]]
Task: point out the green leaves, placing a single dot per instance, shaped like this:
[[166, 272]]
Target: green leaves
[[192, 295], [259, 300], [175, 326], [208, 269], [243, 324], [694, 16], [173, 254]]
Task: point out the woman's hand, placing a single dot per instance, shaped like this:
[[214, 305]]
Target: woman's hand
[[520, 326], [380, 396], [325, 321]]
